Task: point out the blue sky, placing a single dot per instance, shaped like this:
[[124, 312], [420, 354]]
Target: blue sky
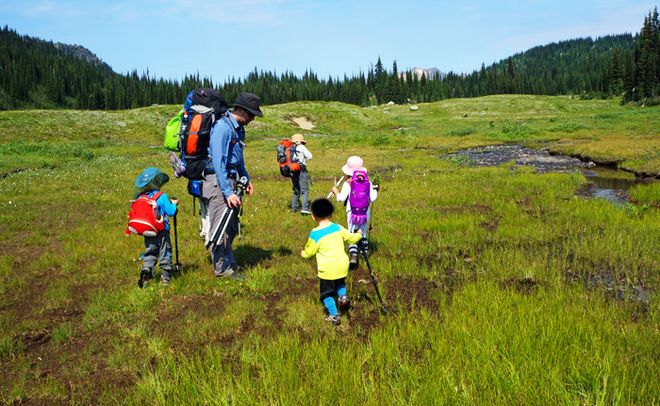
[[221, 39]]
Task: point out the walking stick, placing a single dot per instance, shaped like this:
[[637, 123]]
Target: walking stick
[[219, 231], [336, 185], [371, 216], [364, 247], [177, 265]]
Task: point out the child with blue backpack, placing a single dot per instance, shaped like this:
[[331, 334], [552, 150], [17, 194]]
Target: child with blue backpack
[[358, 193], [326, 242]]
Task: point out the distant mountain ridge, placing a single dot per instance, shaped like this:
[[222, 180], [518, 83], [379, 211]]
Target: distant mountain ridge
[[81, 52], [429, 73]]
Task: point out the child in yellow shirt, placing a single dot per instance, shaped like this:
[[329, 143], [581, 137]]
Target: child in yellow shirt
[[327, 241]]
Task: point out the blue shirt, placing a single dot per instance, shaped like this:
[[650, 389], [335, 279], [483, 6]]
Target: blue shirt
[[226, 144]]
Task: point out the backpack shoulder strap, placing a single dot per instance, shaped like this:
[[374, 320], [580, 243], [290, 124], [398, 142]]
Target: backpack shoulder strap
[[233, 130]]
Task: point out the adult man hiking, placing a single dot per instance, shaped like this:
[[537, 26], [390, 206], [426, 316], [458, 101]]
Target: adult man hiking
[[227, 141]]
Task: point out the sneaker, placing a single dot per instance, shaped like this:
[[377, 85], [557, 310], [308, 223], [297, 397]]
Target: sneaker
[[164, 282], [336, 319], [305, 212], [344, 303], [353, 262], [294, 211]]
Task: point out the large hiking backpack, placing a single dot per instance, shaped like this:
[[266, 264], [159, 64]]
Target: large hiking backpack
[[202, 108], [144, 217], [359, 197], [286, 157]]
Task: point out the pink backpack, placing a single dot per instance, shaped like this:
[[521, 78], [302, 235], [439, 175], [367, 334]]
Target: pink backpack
[[359, 197]]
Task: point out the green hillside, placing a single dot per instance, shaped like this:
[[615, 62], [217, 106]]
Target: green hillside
[[600, 129]]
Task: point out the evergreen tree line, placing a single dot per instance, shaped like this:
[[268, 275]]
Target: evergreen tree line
[[634, 72], [37, 74]]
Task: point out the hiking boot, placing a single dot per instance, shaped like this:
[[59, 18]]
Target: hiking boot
[[305, 212], [232, 275], [353, 262], [335, 320], [344, 303], [164, 282], [145, 275], [237, 276]]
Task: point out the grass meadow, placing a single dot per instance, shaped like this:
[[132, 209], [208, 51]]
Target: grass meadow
[[503, 286]]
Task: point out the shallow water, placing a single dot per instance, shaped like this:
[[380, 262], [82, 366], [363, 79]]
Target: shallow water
[[609, 185], [606, 183]]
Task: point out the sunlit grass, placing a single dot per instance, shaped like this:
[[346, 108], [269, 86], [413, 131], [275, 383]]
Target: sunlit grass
[[503, 286]]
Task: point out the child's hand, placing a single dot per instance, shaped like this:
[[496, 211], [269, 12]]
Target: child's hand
[[359, 231], [302, 254], [376, 187], [335, 190], [175, 201]]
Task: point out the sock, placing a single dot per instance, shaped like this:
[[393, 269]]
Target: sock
[[342, 291], [329, 303], [353, 250]]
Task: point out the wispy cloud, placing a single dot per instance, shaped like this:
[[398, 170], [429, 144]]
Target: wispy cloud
[[270, 12], [44, 10]]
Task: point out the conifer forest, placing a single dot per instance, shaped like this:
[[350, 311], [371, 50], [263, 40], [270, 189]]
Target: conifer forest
[[39, 74]]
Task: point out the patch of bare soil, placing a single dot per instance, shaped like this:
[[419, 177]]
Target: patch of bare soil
[[84, 374], [303, 123], [525, 286]]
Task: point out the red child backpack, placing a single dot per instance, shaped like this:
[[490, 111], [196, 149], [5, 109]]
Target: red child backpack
[[142, 217], [286, 157]]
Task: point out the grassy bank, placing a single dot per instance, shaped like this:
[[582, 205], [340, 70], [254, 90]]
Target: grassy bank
[[503, 286]]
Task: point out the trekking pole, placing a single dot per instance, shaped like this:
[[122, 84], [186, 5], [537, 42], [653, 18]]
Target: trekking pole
[[226, 215], [364, 247], [371, 216], [240, 214], [336, 185], [371, 212], [177, 265]]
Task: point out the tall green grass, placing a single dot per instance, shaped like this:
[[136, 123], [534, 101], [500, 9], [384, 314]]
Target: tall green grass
[[503, 286]]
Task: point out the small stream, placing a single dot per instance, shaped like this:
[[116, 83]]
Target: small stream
[[605, 183], [608, 184]]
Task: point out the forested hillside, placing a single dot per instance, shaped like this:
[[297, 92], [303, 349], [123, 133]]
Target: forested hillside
[[39, 74]]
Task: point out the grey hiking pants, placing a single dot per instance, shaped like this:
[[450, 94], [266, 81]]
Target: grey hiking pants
[[300, 185], [158, 249], [223, 255]]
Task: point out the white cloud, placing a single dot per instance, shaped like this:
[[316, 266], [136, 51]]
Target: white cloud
[[44, 10]]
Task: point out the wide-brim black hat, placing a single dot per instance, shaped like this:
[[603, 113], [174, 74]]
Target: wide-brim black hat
[[249, 102]]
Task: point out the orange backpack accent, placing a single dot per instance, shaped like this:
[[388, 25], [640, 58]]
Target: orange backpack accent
[[193, 135], [286, 157]]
